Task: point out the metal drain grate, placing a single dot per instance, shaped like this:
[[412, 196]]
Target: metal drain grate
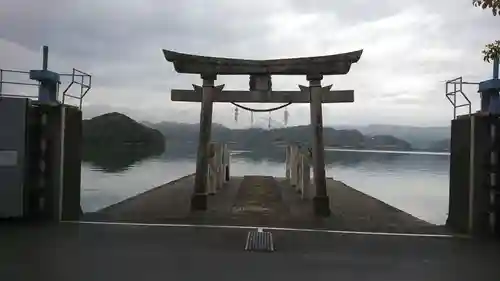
[[259, 241]]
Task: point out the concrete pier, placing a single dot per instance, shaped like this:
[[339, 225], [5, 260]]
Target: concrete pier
[[264, 201]]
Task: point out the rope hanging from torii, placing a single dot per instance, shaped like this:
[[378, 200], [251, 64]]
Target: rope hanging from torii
[[261, 110], [269, 110], [260, 83]]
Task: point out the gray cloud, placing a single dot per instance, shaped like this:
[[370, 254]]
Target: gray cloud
[[410, 48]]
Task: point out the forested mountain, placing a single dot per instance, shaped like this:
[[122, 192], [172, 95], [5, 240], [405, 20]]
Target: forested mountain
[[421, 138], [258, 137]]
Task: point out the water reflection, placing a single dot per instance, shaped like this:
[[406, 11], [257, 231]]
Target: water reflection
[[415, 183], [118, 158], [388, 161], [180, 150], [353, 158]]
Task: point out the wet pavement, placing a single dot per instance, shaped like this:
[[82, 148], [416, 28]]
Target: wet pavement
[[71, 251]]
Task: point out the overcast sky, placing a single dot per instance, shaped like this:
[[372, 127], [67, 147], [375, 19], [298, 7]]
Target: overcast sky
[[410, 49]]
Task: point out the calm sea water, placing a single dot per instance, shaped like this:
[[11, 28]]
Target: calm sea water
[[414, 182]]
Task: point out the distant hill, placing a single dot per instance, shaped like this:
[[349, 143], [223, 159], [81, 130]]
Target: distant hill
[[259, 138], [184, 131], [420, 138], [114, 141], [117, 129]]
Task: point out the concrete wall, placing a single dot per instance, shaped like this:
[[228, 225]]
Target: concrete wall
[[482, 150], [39, 163], [12, 157], [459, 175], [496, 147], [32, 167], [470, 167], [51, 133], [63, 158], [72, 164]]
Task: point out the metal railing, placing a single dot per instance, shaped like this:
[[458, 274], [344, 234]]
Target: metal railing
[[454, 87], [3, 72], [78, 77], [84, 88]]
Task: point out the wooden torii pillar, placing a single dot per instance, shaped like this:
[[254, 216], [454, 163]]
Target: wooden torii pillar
[[260, 71]]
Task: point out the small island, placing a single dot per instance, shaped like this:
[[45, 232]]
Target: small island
[[118, 129], [114, 141]]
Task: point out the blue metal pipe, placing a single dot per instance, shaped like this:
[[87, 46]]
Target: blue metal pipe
[[45, 57]]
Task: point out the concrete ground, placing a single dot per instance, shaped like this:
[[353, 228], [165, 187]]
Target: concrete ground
[[86, 252]]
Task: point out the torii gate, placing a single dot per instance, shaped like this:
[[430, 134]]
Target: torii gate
[[260, 72]]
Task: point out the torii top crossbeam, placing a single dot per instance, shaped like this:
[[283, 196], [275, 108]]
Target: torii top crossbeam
[[337, 64]]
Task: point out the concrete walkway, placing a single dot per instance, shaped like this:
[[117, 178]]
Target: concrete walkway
[[264, 201]]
